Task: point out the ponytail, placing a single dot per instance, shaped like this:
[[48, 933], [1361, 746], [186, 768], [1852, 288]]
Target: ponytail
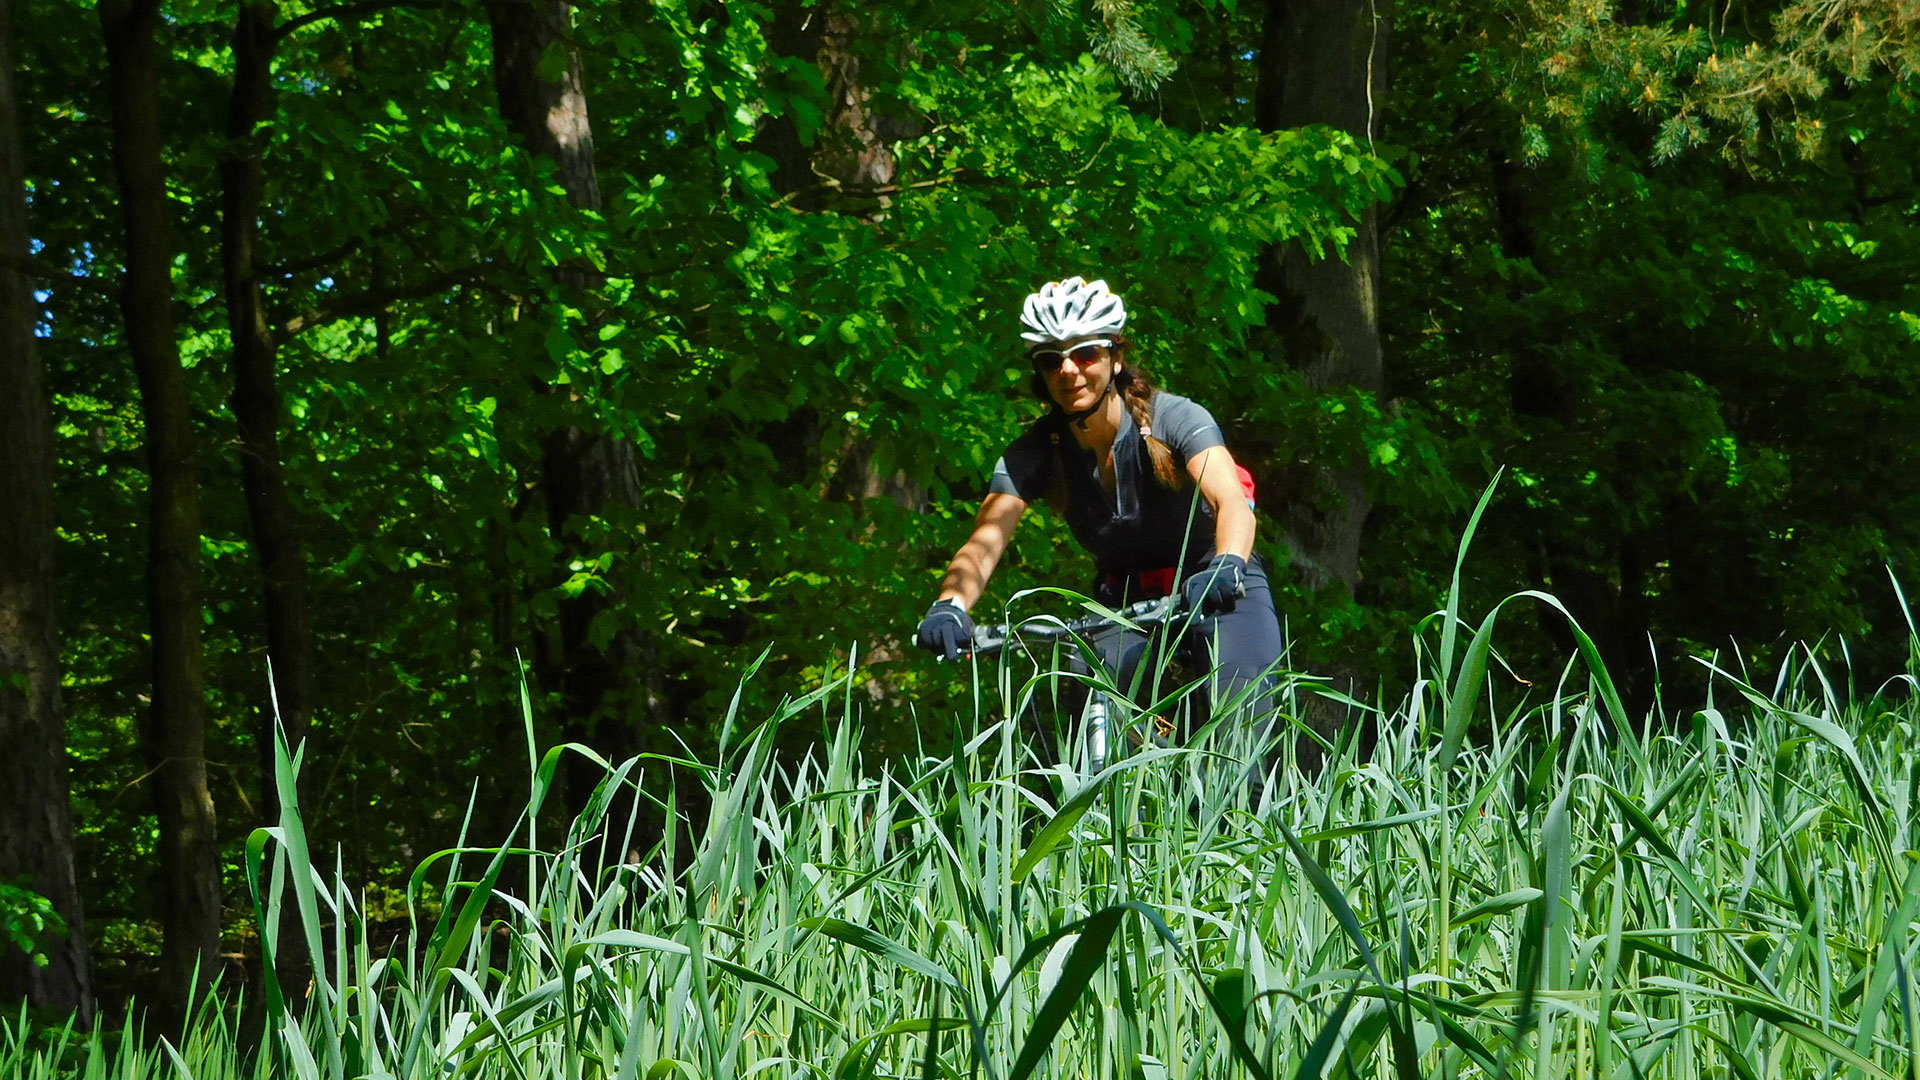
[[1136, 393]]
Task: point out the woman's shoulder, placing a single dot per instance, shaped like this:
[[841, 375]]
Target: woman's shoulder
[[1172, 407], [1167, 399], [1037, 437], [1026, 466], [1183, 423]]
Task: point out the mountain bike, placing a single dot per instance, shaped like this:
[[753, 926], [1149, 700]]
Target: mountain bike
[[1106, 722]]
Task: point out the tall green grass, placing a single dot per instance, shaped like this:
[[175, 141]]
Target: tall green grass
[[1492, 891]]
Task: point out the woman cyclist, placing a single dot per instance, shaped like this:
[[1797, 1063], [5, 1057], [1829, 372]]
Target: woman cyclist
[[1123, 461]]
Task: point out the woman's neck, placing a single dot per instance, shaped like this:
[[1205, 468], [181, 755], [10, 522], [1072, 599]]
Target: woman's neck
[[1098, 430]]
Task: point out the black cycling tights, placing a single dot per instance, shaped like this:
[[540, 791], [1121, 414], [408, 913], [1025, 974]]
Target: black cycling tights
[[1244, 650], [1245, 646]]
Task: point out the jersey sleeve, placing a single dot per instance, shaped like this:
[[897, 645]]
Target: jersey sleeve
[[1185, 425], [1025, 469]]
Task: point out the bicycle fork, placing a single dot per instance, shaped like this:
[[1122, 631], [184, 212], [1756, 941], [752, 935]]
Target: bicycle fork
[[1099, 725]]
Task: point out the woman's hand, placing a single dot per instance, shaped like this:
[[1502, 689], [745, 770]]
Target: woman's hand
[[1219, 587], [946, 631]]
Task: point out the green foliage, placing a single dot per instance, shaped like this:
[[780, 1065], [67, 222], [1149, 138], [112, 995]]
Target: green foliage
[[26, 918], [1692, 359], [1752, 86]]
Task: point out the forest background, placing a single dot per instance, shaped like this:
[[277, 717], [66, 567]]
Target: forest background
[[424, 348]]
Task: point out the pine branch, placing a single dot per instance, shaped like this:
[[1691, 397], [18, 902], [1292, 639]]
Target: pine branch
[[1141, 64]]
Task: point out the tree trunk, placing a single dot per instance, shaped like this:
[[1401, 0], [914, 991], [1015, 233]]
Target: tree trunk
[[850, 151], [175, 730], [1600, 574], [1324, 63], [256, 410], [582, 472], [550, 117], [256, 401], [36, 814]]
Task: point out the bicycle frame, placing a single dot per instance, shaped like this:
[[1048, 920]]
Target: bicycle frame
[[1041, 632]]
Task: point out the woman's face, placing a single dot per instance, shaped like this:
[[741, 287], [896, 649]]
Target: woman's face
[[1086, 365]]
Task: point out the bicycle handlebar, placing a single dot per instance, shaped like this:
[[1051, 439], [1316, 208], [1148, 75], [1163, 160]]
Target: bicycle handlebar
[[991, 639]]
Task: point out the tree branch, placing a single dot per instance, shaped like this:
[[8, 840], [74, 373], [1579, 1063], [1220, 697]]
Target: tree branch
[[45, 276], [398, 220], [349, 11], [311, 262], [372, 300], [966, 177]]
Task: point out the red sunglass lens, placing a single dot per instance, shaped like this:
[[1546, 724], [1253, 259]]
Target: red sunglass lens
[[1047, 361]]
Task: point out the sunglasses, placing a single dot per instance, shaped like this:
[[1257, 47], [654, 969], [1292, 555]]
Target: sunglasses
[[1048, 361]]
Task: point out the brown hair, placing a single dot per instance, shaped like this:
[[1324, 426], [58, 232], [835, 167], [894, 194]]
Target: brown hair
[[1136, 392]]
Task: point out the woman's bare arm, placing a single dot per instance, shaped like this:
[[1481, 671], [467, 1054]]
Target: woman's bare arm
[[973, 564], [1233, 522]]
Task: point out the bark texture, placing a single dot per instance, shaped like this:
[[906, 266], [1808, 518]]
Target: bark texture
[[1323, 62], [549, 116], [36, 813], [174, 732], [256, 399], [850, 153]]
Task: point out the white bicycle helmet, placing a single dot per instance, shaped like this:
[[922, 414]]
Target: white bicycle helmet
[[1074, 308]]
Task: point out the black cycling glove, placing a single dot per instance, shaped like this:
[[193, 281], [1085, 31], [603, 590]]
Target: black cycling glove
[[947, 631], [1219, 587]]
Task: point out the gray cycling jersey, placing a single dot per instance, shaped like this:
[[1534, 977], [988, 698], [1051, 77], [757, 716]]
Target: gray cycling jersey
[[1142, 525]]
